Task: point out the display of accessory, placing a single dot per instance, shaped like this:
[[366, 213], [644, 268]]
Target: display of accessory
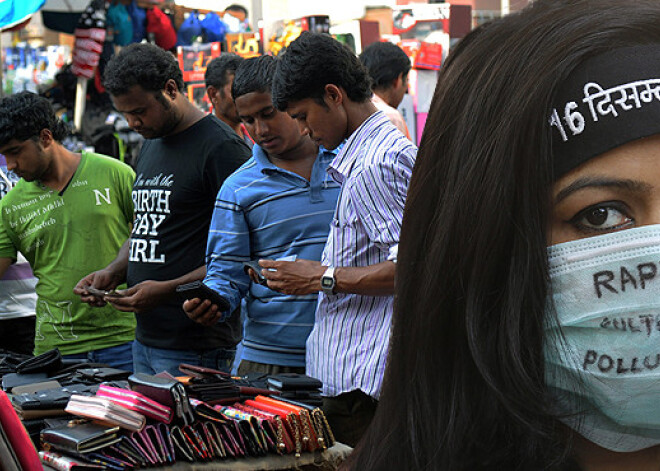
[[136, 402], [105, 411], [165, 391], [79, 437]]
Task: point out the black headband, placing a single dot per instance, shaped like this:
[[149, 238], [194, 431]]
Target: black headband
[[611, 99]]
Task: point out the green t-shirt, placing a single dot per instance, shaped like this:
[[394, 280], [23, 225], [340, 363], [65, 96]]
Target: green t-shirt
[[65, 237]]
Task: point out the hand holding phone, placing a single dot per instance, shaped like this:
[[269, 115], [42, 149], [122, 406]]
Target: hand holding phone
[[254, 264], [101, 293], [197, 289]]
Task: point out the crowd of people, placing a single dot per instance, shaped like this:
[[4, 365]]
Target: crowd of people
[[516, 326]]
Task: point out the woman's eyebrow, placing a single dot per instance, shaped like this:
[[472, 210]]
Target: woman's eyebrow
[[600, 182]]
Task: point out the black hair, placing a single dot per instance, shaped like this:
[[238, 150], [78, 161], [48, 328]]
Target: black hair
[[311, 62], [253, 75], [236, 7], [219, 69], [464, 387], [24, 115], [385, 61], [141, 64]]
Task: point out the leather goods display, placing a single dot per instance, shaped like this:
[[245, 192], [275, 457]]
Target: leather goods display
[[79, 437], [47, 362], [18, 439], [105, 411], [10, 360], [12, 380], [164, 391], [136, 402]]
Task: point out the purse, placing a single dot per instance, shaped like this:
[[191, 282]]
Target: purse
[[136, 402], [17, 446], [66, 463], [79, 437], [105, 411], [48, 362], [164, 391]]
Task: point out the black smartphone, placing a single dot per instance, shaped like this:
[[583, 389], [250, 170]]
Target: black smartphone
[[254, 264], [197, 289]]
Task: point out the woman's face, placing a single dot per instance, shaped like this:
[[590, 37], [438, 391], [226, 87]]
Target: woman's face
[[617, 190]]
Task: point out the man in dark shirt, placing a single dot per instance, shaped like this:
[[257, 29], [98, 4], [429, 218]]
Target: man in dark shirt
[[182, 164]]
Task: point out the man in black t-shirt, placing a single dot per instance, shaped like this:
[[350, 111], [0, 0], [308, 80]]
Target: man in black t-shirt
[[182, 164]]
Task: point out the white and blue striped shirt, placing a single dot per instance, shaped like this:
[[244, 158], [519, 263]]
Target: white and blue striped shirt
[[347, 348]]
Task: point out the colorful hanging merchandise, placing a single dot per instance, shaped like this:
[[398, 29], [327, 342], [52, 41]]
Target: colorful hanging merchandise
[[190, 29], [119, 22], [90, 36], [160, 25], [213, 28], [139, 21]]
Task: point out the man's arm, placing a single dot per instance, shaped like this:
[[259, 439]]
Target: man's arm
[[304, 277], [150, 293]]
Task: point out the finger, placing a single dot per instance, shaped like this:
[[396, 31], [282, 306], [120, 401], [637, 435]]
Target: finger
[[190, 305], [265, 263], [120, 307]]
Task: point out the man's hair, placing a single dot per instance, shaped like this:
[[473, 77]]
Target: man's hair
[[219, 69], [313, 61], [385, 62], [141, 64], [24, 115], [236, 7], [253, 75]]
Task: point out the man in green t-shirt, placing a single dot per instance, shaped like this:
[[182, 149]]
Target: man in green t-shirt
[[69, 214]]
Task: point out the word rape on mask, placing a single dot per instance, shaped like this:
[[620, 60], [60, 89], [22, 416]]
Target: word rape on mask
[[603, 335], [152, 207]]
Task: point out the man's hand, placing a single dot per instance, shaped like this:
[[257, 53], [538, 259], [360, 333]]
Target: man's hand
[[299, 277], [202, 312], [102, 279], [141, 297]]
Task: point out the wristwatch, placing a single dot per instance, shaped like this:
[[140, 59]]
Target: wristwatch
[[328, 281]]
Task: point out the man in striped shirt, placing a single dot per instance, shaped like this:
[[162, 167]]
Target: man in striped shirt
[[279, 204], [323, 85]]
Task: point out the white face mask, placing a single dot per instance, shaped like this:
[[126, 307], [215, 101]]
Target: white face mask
[[606, 369]]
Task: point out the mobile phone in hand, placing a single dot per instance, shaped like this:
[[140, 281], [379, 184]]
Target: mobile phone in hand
[[254, 264], [101, 293], [197, 289]]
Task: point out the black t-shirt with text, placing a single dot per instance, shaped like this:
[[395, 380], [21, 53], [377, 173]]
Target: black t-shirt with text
[[177, 180]]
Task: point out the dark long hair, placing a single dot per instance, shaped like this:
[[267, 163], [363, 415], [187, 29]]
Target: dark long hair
[[464, 387]]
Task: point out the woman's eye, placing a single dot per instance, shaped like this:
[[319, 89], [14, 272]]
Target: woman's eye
[[604, 217]]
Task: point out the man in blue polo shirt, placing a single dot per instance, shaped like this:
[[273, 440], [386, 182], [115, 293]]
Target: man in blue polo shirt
[[278, 206]]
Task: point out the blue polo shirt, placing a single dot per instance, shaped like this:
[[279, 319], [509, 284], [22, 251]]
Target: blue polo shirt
[[263, 211]]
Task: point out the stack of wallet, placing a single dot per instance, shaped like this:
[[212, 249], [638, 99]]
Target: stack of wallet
[[297, 387]]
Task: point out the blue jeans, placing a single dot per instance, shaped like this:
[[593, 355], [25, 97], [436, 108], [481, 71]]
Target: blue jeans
[[152, 360], [120, 356]]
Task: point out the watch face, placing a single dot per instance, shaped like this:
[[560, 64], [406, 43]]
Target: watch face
[[327, 282]]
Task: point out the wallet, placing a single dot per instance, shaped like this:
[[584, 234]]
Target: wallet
[[105, 411], [79, 437], [165, 391], [12, 380], [293, 381], [48, 362], [66, 463], [99, 375], [50, 399], [136, 402]]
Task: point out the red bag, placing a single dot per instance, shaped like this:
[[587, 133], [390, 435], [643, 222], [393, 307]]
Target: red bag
[[160, 25], [17, 435]]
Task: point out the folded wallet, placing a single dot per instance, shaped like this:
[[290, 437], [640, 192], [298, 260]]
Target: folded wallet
[[79, 437], [105, 411], [164, 391], [136, 402]]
